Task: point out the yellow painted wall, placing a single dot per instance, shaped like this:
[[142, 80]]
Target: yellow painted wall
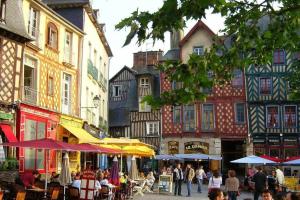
[[50, 62], [199, 38]]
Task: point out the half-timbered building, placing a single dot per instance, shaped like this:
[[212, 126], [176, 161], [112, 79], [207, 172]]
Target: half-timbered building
[[217, 126], [13, 36], [273, 117], [129, 115]]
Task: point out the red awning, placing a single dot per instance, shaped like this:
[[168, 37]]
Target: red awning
[[7, 130]]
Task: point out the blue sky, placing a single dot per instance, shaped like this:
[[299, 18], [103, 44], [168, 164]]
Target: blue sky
[[113, 11]]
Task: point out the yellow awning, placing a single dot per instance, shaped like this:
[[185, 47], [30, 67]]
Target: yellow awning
[[123, 142], [82, 135], [132, 150]]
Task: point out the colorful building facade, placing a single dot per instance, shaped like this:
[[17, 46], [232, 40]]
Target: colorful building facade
[[217, 126], [273, 116], [49, 81]]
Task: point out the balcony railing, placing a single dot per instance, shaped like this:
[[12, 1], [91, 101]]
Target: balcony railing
[[92, 70], [30, 95]]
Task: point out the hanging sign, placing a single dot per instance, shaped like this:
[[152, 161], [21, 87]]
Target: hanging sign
[[196, 147]]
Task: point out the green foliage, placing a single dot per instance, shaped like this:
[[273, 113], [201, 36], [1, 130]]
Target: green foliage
[[9, 164], [242, 23]]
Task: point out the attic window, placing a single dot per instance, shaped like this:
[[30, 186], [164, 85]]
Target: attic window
[[199, 50], [2, 10], [144, 82], [52, 36]]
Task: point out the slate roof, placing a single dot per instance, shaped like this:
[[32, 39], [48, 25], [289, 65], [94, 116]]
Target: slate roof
[[172, 54], [14, 21]]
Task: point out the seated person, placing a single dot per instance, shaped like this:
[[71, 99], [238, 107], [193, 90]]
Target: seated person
[[54, 177], [29, 178], [150, 179], [73, 175], [77, 181]]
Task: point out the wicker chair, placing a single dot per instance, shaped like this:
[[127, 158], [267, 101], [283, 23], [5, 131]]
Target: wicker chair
[[21, 196], [103, 193], [55, 193], [1, 195]]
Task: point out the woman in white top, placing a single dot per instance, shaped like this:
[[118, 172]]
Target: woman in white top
[[215, 181], [150, 180]]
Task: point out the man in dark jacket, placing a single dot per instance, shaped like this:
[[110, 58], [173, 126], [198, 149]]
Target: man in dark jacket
[[178, 177], [260, 180]]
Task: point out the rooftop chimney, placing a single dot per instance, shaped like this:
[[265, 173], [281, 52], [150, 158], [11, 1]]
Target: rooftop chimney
[[175, 37]]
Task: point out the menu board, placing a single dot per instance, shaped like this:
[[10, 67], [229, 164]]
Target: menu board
[[165, 184], [87, 185]]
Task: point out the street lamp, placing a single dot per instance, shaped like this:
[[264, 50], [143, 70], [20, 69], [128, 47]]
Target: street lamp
[[96, 102]]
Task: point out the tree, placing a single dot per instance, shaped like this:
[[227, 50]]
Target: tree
[[252, 43]]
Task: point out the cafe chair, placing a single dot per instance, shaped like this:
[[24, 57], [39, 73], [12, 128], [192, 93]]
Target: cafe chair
[[139, 189], [21, 196], [1, 195], [73, 193], [55, 193]]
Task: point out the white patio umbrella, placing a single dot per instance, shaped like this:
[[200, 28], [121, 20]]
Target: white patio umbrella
[[133, 173], [65, 176], [292, 162], [253, 160]]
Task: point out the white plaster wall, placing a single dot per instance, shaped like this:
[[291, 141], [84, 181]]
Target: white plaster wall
[[87, 81]]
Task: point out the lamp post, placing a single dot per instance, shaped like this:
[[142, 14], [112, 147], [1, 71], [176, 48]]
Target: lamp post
[[96, 102]]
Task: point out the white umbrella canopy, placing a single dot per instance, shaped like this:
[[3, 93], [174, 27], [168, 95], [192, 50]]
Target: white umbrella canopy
[[292, 162], [253, 160], [65, 176]]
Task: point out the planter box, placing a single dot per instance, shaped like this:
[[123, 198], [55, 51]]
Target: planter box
[[9, 176]]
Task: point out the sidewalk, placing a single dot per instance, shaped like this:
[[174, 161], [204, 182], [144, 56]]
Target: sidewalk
[[195, 194]]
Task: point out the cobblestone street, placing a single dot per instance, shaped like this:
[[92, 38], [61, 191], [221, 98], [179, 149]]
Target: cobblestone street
[[195, 195]]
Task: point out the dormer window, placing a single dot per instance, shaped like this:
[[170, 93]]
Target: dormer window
[[52, 36], [144, 82], [2, 10]]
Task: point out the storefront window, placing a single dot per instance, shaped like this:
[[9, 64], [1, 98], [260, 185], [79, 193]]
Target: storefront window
[[34, 130]]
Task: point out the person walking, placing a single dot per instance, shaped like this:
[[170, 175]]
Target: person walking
[[215, 180], [279, 176], [178, 177], [272, 182], [200, 175], [190, 173], [232, 185], [260, 180]]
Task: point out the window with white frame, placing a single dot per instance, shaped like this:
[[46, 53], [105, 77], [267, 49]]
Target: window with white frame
[[199, 50], [240, 113], [68, 47], [290, 116], [33, 22], [189, 123], [152, 128], [144, 82], [265, 85], [208, 118], [2, 10], [117, 90], [272, 117], [144, 106]]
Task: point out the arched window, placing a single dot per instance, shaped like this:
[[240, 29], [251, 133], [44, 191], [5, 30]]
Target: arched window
[[52, 36]]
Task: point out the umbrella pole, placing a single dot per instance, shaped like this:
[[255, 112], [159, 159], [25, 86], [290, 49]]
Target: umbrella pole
[[121, 163], [46, 175], [64, 192]]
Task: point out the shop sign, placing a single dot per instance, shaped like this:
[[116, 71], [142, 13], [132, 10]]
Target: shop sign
[[259, 140], [6, 116], [35, 112], [196, 147], [274, 141], [173, 147], [290, 141]]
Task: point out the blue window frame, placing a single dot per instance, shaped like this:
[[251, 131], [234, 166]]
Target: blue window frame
[[279, 57], [177, 114], [240, 113]]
